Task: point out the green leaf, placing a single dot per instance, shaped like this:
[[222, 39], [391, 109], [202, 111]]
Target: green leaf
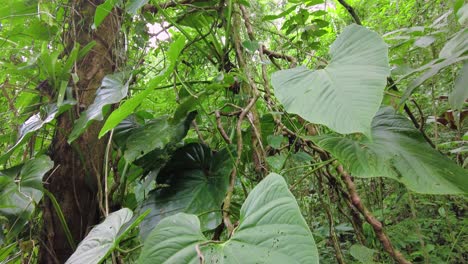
[[19, 199], [156, 135], [114, 88], [280, 15], [456, 46], [347, 93], [7, 250], [104, 238], [275, 141], [433, 67], [102, 11], [460, 92], [129, 106], [36, 122], [197, 179], [251, 46], [424, 42], [134, 5], [363, 254], [462, 15], [271, 230], [276, 162], [397, 151]]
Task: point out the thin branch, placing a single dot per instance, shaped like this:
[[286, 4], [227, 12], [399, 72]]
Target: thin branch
[[376, 224], [243, 114], [351, 11], [106, 173], [197, 130], [219, 125], [276, 55]]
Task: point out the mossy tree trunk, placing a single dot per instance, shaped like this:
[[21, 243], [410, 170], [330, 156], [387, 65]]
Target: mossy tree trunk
[[78, 173]]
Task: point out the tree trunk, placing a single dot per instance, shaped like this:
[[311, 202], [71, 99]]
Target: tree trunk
[[78, 167]]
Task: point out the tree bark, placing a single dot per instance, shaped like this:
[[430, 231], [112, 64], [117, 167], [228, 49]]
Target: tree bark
[[78, 167]]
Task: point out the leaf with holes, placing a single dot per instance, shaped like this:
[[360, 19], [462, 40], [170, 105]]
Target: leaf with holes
[[271, 230], [398, 151], [346, 94], [197, 180]]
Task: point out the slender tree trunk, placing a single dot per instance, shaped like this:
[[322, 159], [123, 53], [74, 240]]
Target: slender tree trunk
[[78, 167]]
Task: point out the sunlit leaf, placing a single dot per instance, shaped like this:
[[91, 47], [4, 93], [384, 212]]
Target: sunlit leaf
[[102, 11], [347, 93], [271, 230], [129, 106]]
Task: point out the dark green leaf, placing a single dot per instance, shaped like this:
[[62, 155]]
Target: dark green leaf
[[155, 135], [197, 180], [271, 230]]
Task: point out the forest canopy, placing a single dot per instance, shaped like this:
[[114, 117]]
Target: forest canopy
[[233, 131]]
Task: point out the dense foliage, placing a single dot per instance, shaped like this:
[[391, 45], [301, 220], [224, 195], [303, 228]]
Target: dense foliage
[[233, 131]]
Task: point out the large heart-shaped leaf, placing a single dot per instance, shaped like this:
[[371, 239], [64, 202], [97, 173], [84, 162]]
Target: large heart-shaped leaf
[[398, 151], [104, 238], [271, 230], [21, 197], [114, 87], [197, 179], [346, 94]]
